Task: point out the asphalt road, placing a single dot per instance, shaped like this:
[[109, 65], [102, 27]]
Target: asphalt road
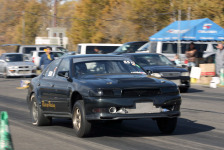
[[199, 127]]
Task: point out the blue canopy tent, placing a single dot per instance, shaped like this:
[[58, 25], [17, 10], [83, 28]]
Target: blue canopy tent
[[190, 30]]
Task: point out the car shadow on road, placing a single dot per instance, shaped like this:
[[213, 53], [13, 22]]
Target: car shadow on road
[[138, 128], [193, 90]]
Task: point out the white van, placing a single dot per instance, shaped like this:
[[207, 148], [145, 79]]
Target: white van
[[88, 48], [169, 49]]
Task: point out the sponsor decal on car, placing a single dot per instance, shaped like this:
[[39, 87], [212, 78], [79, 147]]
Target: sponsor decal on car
[[49, 104]]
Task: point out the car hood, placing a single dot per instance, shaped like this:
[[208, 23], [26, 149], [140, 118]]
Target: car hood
[[20, 63], [124, 81], [157, 69]]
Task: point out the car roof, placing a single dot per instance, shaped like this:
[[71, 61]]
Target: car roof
[[43, 45], [12, 53], [136, 42], [92, 55], [99, 44], [44, 51], [139, 54]]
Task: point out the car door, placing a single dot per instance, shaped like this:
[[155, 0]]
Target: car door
[[46, 87], [62, 88]]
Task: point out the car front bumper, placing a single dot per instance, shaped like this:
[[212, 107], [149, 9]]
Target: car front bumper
[[104, 116], [98, 108], [21, 72], [181, 82]]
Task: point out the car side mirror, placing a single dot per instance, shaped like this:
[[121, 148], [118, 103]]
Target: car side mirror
[[64, 74]]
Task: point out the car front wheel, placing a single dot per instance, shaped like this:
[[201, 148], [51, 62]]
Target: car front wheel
[[167, 125], [81, 126], [38, 119]]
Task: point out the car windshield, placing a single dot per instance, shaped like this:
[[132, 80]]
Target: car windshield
[[152, 60], [13, 58], [61, 49], [106, 67], [129, 47]]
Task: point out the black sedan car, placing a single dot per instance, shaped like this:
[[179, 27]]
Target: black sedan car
[[90, 88], [160, 66]]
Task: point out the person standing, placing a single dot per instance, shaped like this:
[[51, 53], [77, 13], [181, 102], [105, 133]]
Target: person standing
[[219, 58], [97, 51], [190, 54], [46, 58]]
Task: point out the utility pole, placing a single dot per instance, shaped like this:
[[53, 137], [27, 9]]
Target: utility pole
[[23, 28], [189, 13], [55, 14], [179, 25]]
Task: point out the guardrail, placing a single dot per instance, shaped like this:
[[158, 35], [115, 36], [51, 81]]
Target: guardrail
[[5, 136]]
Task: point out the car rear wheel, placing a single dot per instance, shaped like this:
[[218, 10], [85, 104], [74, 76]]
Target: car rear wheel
[[167, 125], [81, 126], [38, 119]]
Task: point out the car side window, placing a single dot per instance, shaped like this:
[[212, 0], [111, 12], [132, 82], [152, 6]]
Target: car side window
[[28, 50], [51, 70], [64, 65]]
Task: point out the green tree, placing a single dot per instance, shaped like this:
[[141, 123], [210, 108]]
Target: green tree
[[86, 15], [32, 21]]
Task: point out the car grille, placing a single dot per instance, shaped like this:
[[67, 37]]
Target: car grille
[[170, 74], [23, 66], [140, 92]]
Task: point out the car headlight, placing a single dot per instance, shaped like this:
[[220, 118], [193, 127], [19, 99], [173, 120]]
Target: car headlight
[[185, 74], [156, 75], [101, 92], [13, 67]]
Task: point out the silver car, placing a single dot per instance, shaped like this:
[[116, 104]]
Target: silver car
[[16, 64]]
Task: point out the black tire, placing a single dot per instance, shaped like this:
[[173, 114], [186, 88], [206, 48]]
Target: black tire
[[38, 119], [81, 126], [184, 90], [166, 125]]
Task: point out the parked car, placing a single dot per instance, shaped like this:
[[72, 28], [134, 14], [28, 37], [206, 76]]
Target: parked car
[[169, 49], [88, 48], [36, 56], [129, 47], [160, 66], [16, 64], [90, 88]]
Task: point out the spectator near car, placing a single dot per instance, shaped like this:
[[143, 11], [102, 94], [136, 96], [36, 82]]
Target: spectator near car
[[36, 56], [219, 58], [46, 58]]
